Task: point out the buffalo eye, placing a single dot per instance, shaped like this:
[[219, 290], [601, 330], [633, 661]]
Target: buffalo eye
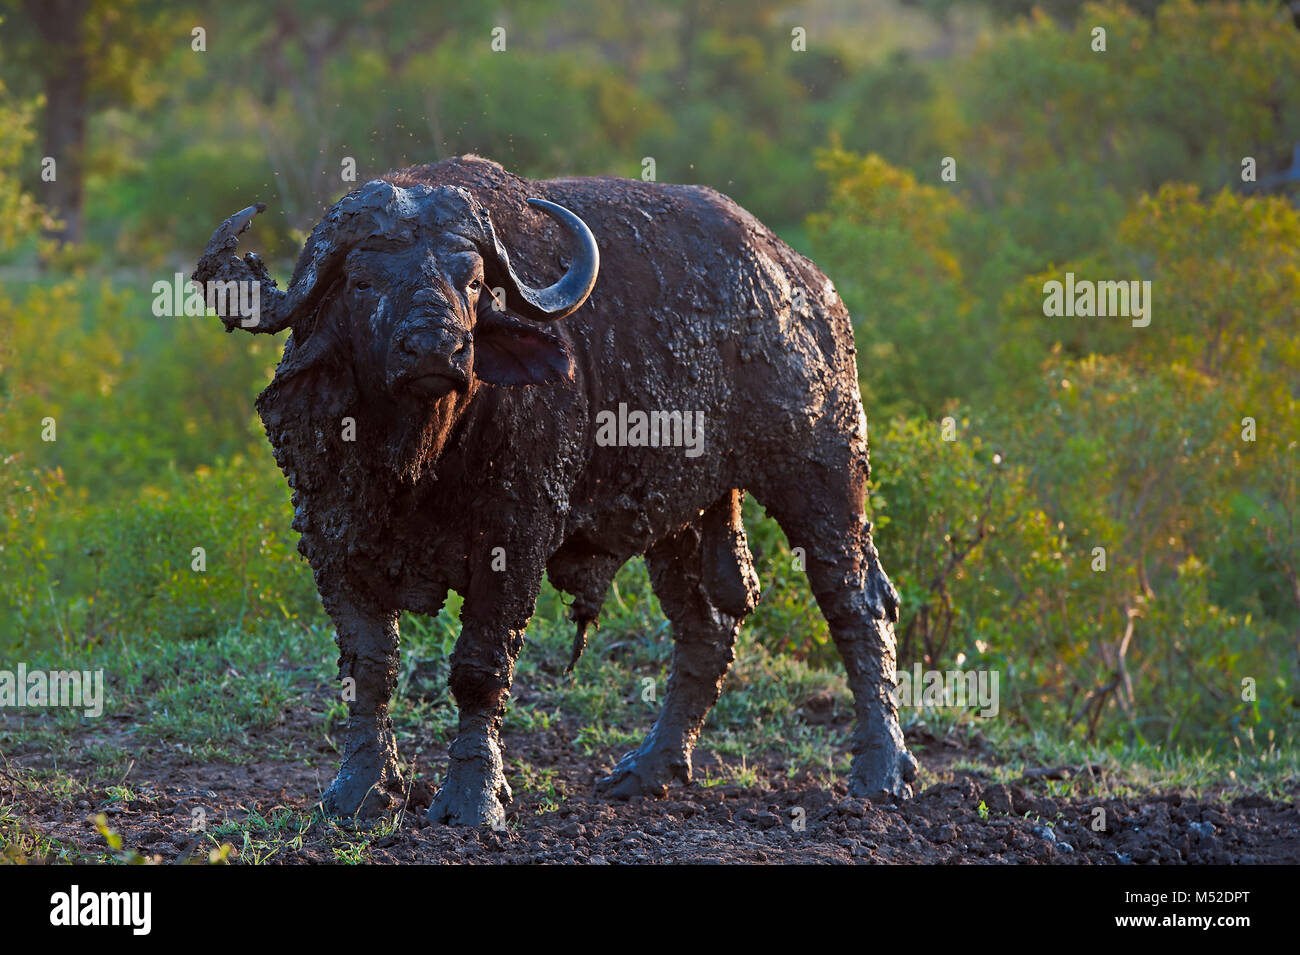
[[475, 285], [361, 285]]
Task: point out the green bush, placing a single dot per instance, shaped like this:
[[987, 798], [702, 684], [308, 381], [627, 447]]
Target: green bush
[[84, 571]]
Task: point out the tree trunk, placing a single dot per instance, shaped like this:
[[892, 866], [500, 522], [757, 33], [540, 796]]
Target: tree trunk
[[689, 27], [66, 72]]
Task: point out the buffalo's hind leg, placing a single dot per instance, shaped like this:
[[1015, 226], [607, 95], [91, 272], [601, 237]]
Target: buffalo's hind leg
[[705, 581], [821, 511]]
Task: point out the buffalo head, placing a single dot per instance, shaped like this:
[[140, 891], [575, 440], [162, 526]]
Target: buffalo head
[[416, 286]]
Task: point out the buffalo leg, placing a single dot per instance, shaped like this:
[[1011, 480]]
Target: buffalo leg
[[368, 658], [704, 579], [482, 667], [822, 513], [498, 605]]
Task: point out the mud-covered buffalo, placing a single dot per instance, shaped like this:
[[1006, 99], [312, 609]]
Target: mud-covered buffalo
[[460, 339]]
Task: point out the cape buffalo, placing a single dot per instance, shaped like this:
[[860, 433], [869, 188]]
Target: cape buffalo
[[450, 316]]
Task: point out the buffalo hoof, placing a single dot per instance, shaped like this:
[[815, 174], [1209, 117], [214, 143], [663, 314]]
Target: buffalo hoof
[[475, 792], [364, 795], [645, 774], [481, 804], [890, 769]]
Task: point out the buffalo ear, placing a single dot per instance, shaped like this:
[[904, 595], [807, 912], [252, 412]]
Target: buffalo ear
[[512, 352], [314, 340]]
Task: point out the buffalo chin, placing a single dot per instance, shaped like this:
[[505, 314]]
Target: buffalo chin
[[421, 427]]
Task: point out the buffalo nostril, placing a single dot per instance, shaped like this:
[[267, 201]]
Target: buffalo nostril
[[419, 343]]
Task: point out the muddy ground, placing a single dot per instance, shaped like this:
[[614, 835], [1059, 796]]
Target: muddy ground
[[960, 817]]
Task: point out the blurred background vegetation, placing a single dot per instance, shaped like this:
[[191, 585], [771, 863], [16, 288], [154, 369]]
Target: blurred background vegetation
[[1007, 446]]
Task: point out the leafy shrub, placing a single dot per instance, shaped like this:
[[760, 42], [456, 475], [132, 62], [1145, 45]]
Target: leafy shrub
[[130, 568]]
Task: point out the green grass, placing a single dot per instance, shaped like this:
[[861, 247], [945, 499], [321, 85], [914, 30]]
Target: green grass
[[1126, 769], [226, 700], [210, 698]]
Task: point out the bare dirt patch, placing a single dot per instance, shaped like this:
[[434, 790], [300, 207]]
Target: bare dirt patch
[[964, 817]]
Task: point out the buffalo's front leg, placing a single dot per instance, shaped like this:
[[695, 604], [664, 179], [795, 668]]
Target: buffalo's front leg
[[368, 658], [506, 562], [475, 791], [498, 605]]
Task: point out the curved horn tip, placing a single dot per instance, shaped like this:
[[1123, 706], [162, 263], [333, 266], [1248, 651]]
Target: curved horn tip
[[570, 292], [546, 205]]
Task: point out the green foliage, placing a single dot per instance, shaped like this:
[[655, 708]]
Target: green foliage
[[76, 570], [1133, 440], [123, 40], [130, 393], [968, 550], [1183, 97], [885, 240], [1172, 447], [18, 212]]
